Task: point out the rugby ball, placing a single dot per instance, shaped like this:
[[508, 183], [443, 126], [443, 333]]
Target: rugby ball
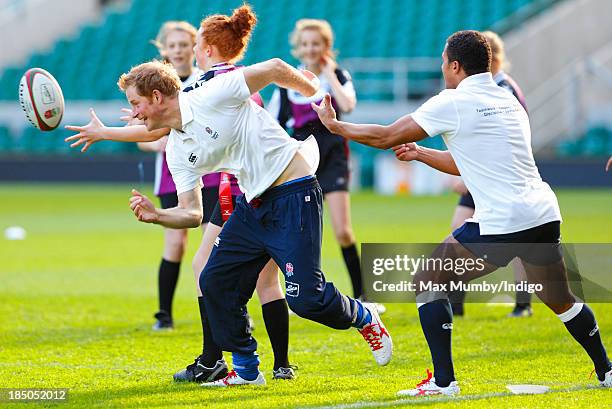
[[41, 99]]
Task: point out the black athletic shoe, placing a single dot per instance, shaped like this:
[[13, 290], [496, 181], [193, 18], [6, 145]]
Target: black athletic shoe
[[285, 373], [197, 372], [164, 321], [521, 311]]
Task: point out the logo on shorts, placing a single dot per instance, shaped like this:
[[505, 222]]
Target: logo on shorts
[[192, 158], [217, 241], [289, 269], [447, 325], [292, 289], [594, 331]]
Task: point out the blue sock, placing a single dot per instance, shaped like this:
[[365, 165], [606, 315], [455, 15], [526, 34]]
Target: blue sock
[[437, 323], [246, 365], [363, 315]]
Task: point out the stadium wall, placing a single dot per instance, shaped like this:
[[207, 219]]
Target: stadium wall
[[125, 169], [562, 59], [35, 25]]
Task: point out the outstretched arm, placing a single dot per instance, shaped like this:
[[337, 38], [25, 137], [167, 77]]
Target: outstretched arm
[[96, 131], [276, 71], [187, 214], [403, 130], [440, 160]]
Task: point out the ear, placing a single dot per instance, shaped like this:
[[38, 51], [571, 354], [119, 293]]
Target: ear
[[157, 97], [455, 66], [208, 50]]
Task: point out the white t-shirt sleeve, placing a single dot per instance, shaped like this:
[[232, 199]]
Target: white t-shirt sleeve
[[438, 115], [185, 179], [226, 90]]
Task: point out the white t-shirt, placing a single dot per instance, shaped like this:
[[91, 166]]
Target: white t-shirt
[[223, 130], [487, 131]]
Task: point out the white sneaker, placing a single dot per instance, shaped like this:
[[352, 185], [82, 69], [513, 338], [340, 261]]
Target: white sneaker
[[607, 382], [233, 379], [428, 387], [380, 308], [378, 338]]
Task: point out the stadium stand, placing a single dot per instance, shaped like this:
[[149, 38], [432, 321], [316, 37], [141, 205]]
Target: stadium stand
[[596, 142], [88, 65]]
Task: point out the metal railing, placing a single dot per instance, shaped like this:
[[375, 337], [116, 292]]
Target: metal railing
[[557, 108], [394, 79]]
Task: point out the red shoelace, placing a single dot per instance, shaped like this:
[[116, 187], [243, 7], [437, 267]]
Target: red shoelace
[[426, 380], [372, 337], [231, 374]]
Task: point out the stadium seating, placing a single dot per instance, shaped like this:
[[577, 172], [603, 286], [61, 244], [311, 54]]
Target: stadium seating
[[596, 142], [88, 65]]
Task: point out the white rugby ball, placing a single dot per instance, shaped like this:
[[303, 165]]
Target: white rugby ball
[[41, 99]]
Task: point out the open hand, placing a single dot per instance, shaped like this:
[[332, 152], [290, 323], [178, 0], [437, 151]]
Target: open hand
[[87, 135], [326, 112], [130, 118], [143, 208], [406, 151]]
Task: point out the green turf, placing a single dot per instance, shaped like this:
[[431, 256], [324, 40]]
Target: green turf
[[77, 298]]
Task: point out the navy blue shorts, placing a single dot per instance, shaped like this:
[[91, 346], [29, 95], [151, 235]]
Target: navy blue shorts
[[540, 245], [285, 223], [467, 200]]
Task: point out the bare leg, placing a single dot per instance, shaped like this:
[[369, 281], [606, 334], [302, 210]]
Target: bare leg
[[175, 242], [576, 316]]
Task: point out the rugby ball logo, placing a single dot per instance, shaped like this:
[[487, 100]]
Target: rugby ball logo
[[41, 99]]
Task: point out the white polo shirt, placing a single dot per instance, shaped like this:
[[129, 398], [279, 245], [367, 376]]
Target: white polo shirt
[[487, 131], [223, 130]]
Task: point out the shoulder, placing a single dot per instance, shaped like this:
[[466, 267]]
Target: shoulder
[[443, 97]]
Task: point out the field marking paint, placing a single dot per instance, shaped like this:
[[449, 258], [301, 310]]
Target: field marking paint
[[408, 401]]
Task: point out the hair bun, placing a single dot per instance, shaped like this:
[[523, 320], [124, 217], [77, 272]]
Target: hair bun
[[243, 20]]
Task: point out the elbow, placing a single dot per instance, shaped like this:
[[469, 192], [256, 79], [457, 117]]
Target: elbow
[[277, 65], [349, 106], [384, 140], [196, 219], [385, 144]]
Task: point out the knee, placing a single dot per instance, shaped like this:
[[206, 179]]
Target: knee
[[175, 246], [303, 309]]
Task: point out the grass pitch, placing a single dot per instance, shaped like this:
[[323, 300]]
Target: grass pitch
[[77, 298]]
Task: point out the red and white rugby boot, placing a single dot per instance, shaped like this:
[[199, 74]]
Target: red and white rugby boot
[[378, 338], [428, 387], [233, 379]]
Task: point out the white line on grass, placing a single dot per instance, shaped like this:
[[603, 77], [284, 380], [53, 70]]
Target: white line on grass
[[433, 400]]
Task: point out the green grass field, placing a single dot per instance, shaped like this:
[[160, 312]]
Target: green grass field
[[77, 298]]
